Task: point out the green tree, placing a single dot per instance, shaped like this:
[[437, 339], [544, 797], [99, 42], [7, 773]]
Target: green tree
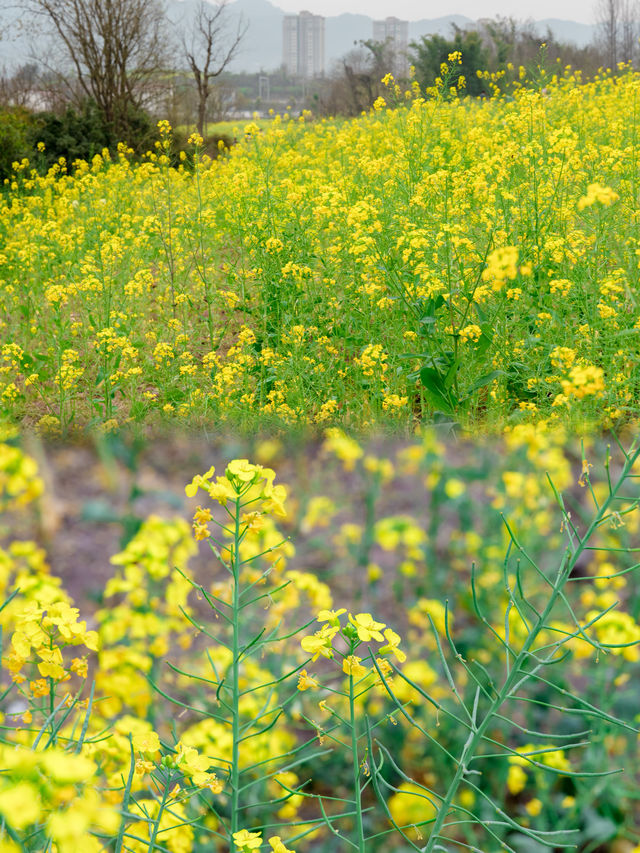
[[431, 51]]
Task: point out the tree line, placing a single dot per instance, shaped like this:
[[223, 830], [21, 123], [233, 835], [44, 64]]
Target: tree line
[[492, 52], [112, 63]]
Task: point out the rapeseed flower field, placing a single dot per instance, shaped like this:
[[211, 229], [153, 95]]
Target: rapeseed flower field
[[450, 258], [390, 603]]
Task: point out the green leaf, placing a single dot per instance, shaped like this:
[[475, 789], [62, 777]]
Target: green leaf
[[100, 511], [429, 318], [486, 379], [436, 390], [485, 340], [524, 844], [451, 373], [598, 828]]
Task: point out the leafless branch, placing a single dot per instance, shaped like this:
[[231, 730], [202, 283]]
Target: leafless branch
[[113, 49], [210, 46]]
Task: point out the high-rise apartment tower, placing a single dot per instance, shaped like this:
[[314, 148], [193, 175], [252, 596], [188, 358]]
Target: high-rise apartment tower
[[303, 44], [396, 33]]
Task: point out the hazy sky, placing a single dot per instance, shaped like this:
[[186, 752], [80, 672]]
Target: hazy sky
[[413, 10]]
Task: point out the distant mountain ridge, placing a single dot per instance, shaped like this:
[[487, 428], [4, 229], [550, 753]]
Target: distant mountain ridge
[[262, 47]]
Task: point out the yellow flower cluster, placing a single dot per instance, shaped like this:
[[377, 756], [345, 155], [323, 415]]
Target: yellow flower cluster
[[361, 628], [245, 840], [151, 613], [251, 485], [596, 193], [19, 480], [373, 360], [502, 266], [470, 333], [54, 788], [584, 380], [343, 447], [38, 641]]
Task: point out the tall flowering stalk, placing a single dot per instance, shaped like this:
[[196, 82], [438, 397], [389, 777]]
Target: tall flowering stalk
[[540, 629], [247, 493], [342, 638]]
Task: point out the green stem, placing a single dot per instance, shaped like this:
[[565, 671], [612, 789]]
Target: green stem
[[356, 770], [371, 498], [52, 703], [156, 824], [200, 262], [235, 698]]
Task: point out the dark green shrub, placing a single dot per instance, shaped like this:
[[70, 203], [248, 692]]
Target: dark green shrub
[[141, 130], [212, 146], [80, 134], [15, 138], [73, 134]]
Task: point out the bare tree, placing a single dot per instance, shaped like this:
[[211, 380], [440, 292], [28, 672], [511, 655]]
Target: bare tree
[[608, 18], [356, 80], [618, 27], [209, 47], [629, 30], [114, 49], [19, 89]]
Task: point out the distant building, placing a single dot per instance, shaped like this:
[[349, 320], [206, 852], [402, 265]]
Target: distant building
[[303, 44], [396, 33]]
